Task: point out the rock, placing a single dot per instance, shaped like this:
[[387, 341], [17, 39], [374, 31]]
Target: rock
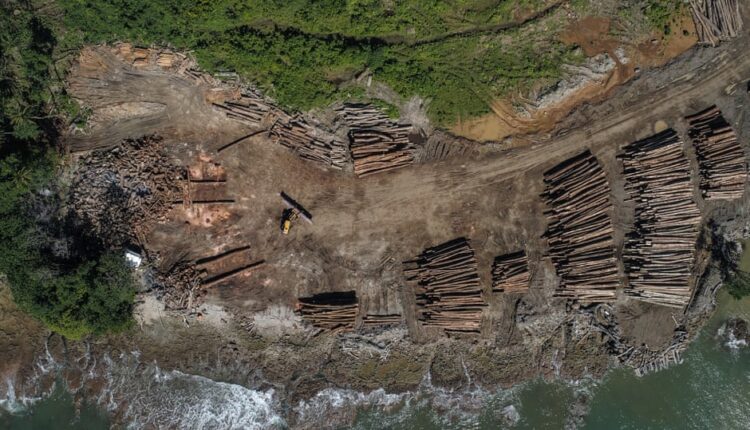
[[511, 415], [734, 333]]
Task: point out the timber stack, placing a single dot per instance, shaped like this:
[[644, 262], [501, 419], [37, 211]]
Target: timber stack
[[308, 141], [447, 287], [377, 143], [580, 230], [660, 251], [251, 108], [311, 143], [375, 320], [329, 311], [723, 169], [716, 20], [510, 273]]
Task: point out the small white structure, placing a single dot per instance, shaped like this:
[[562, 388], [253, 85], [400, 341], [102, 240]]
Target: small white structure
[[133, 258]]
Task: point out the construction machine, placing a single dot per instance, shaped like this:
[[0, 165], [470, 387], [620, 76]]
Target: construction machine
[[291, 213]]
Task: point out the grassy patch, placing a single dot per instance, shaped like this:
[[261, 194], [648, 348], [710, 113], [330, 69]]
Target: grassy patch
[[662, 13]]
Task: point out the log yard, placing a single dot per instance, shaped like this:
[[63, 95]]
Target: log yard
[[569, 227]]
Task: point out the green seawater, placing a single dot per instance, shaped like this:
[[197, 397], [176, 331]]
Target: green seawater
[[58, 412]]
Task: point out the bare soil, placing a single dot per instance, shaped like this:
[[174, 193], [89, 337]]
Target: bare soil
[[594, 36]]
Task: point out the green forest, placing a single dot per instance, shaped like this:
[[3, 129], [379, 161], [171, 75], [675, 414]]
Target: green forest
[[458, 54]]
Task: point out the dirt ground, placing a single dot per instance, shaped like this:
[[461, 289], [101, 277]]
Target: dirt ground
[[364, 228], [594, 36]]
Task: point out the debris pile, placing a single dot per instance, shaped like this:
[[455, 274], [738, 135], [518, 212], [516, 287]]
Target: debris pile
[[510, 273], [716, 20], [180, 287], [660, 251], [294, 132], [447, 287], [122, 192], [723, 169], [329, 311], [580, 230], [377, 143]]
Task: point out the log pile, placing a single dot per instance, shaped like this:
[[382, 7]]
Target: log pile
[[311, 143], [140, 57], [251, 108], [723, 169], [447, 287], [376, 142], [510, 273], [580, 229], [122, 192], [716, 20], [294, 132], [329, 311], [660, 251], [375, 320]]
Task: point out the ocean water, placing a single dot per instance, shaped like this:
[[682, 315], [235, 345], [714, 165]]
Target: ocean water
[[57, 411], [709, 390]]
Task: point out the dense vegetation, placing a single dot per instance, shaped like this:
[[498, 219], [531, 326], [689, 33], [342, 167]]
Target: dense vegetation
[[72, 285], [304, 52]]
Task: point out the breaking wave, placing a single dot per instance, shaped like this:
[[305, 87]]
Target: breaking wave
[[172, 399]]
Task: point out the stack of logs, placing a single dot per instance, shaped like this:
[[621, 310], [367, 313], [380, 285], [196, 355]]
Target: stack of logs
[[447, 287], [122, 192], [510, 273], [716, 20], [373, 320], [294, 132], [660, 251], [723, 168], [330, 311], [250, 108], [377, 143], [580, 229]]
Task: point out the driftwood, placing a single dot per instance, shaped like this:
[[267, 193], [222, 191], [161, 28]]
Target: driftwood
[[723, 168], [580, 229], [716, 20], [510, 273], [447, 287], [377, 143], [660, 251], [330, 311]]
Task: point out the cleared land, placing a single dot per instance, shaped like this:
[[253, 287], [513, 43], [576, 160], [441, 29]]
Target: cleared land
[[364, 228], [379, 328]]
